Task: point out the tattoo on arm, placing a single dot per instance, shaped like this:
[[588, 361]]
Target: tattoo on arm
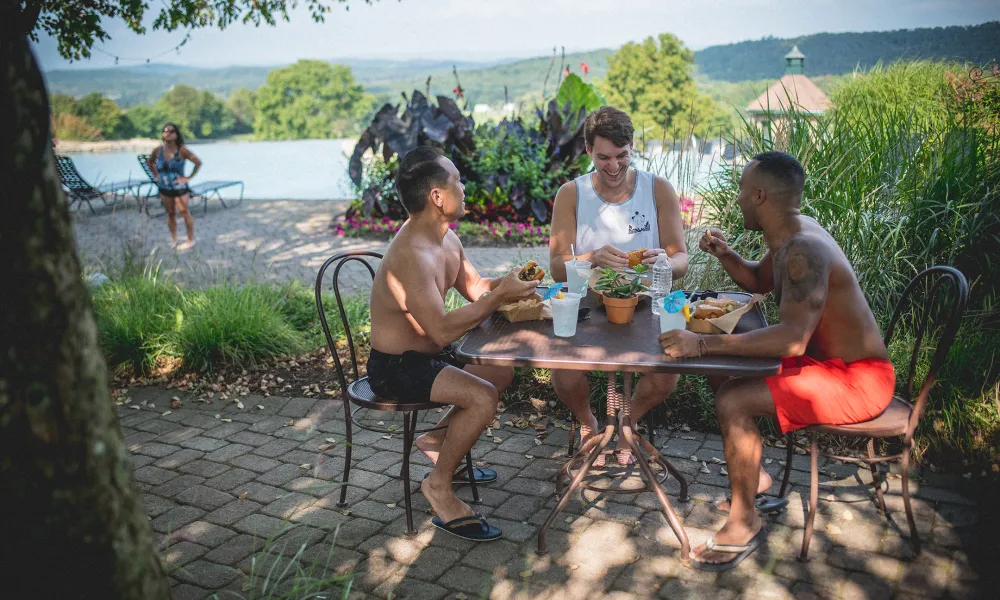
[[806, 268]]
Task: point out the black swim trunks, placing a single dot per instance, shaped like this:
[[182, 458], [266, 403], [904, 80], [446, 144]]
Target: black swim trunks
[[174, 193], [408, 377]]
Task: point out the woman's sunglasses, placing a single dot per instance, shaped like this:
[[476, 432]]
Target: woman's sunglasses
[[169, 131]]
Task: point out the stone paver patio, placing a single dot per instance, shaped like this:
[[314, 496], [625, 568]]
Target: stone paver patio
[[279, 241], [218, 480]]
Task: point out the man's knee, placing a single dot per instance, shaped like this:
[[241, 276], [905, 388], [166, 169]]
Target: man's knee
[[727, 401], [484, 399], [564, 380]]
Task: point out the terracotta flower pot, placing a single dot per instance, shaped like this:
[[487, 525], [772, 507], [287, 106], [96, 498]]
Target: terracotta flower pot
[[620, 310]]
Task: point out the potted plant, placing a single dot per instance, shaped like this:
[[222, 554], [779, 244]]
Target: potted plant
[[620, 292]]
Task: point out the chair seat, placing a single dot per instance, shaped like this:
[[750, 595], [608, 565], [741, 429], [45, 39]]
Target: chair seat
[[360, 393], [891, 422]]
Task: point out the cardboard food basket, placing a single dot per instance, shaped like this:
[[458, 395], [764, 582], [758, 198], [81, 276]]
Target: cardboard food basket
[[724, 324], [529, 309]]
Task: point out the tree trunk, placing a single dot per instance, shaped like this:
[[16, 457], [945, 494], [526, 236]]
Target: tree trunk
[[75, 525]]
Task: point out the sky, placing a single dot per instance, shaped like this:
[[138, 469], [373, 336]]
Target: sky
[[497, 29]]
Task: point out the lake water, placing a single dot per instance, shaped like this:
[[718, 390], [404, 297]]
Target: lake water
[[317, 169], [296, 170]]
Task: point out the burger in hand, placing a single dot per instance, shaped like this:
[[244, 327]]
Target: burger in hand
[[531, 272], [635, 257]]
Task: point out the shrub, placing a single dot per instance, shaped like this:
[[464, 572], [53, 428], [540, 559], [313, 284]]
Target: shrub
[[236, 326], [137, 319]]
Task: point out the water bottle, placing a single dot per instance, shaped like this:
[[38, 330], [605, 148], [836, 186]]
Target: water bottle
[[663, 279]]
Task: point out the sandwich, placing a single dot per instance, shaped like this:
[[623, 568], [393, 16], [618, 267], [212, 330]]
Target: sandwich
[[635, 257], [531, 272], [712, 308]]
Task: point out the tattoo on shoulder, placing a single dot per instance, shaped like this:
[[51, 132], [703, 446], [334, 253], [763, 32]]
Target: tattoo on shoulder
[[805, 267]]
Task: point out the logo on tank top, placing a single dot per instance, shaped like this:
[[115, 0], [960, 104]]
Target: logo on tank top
[[639, 224]]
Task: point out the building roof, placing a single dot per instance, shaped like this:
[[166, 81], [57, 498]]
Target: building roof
[[802, 92], [795, 53]]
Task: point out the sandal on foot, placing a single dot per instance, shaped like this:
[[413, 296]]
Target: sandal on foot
[[741, 551], [602, 459], [474, 528], [767, 505], [482, 475], [625, 457]]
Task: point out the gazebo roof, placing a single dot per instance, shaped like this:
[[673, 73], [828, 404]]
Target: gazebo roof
[[802, 92], [795, 53]]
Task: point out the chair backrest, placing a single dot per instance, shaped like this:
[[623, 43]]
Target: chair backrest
[[340, 260], [145, 167], [70, 177], [931, 309]]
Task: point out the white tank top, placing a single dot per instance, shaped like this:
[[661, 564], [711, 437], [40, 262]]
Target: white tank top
[[628, 226]]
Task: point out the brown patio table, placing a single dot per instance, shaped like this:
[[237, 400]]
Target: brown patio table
[[602, 346]]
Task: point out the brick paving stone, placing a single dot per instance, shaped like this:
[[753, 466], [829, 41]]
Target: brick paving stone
[[176, 518], [301, 457], [156, 506], [310, 485], [679, 448], [181, 435], [411, 590], [207, 575], [181, 553], [225, 430], [268, 425], [489, 556], [297, 407], [620, 513], [356, 530], [509, 459], [321, 518], [156, 449], [205, 533], [204, 468], [203, 443], [255, 463], [381, 461], [158, 426], [186, 591], [203, 497], [519, 508], [179, 458], [259, 492], [177, 485], [276, 448], [300, 433], [134, 441], [367, 479], [232, 512], [138, 460], [287, 505], [231, 479], [468, 580], [260, 525], [228, 453], [281, 475], [432, 562], [532, 487], [250, 438], [202, 421], [378, 511], [235, 550], [135, 418], [544, 469], [290, 543], [153, 475]]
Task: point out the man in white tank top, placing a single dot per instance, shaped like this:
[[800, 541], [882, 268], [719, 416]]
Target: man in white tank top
[[606, 214]]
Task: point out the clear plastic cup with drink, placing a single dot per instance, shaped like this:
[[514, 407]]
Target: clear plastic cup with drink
[[564, 314], [575, 282]]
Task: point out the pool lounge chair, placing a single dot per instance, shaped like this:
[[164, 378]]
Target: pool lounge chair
[[205, 190], [79, 190]]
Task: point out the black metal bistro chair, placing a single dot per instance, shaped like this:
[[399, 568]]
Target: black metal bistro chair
[[204, 191], [931, 308], [357, 394], [80, 190]]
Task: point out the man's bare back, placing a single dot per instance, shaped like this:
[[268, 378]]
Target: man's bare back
[[410, 258], [847, 328]]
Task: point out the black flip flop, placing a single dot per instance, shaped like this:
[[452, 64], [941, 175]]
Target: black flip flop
[[740, 550], [482, 474], [474, 528], [767, 505]]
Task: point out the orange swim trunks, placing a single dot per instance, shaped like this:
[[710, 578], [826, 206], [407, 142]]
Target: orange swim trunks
[[810, 392]]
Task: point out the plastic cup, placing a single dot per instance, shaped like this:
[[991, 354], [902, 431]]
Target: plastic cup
[[574, 282], [564, 315], [670, 321]]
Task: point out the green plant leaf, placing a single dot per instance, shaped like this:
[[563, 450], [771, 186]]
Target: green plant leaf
[[579, 94]]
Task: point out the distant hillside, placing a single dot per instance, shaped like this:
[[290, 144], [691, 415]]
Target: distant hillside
[[836, 53], [747, 63], [486, 85], [144, 84]]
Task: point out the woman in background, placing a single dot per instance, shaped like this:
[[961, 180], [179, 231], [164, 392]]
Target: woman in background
[[167, 164]]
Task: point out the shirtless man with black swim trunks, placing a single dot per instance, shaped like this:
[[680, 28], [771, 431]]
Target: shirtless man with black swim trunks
[[835, 368], [411, 330]]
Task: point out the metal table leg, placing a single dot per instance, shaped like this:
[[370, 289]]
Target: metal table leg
[[593, 448]]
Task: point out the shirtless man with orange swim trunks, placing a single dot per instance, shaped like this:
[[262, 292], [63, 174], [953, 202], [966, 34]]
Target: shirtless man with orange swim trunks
[[835, 368]]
